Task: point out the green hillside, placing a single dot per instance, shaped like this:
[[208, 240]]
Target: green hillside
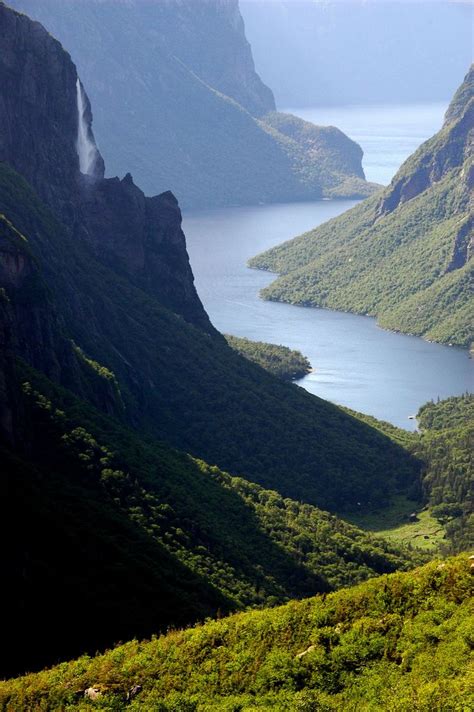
[[404, 255], [278, 360], [444, 518], [448, 413], [401, 642], [136, 537], [179, 383]]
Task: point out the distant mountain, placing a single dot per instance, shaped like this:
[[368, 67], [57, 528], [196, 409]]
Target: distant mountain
[[404, 255], [178, 103], [319, 53]]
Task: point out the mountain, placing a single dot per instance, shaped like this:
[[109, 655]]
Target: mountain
[[98, 277], [178, 103], [340, 52], [404, 255], [108, 366], [398, 642]]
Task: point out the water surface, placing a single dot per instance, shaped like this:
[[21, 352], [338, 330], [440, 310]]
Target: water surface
[[388, 134], [356, 363]]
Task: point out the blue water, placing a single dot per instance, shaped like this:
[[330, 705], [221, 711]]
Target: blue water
[[356, 363], [388, 134]]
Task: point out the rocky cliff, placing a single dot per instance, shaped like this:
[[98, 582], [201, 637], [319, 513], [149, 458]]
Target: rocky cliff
[[40, 113], [451, 148], [177, 102], [209, 38], [38, 109], [352, 52]]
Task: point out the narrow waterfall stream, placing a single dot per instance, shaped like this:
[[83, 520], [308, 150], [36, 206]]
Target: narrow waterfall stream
[[86, 148]]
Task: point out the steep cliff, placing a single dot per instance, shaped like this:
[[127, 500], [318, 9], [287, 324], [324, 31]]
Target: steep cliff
[[404, 256], [39, 110], [178, 103]]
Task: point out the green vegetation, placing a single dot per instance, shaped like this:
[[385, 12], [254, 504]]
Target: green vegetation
[[445, 521], [278, 360], [401, 642], [448, 413], [321, 155], [135, 537], [446, 445], [404, 523], [184, 386], [126, 523], [402, 255], [108, 363]]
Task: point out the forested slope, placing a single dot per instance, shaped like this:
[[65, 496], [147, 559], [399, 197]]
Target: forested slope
[[405, 255], [172, 378], [446, 445], [276, 359], [135, 537], [108, 360], [399, 642]]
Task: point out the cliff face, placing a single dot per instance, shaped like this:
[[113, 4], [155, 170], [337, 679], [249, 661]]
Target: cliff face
[[449, 149], [177, 102], [405, 255], [39, 108], [142, 238], [303, 49], [187, 27]]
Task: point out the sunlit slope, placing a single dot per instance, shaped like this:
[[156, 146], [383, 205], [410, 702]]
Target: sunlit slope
[[399, 642]]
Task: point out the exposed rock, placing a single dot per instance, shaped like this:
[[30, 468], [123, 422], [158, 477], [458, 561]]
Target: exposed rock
[[463, 246], [92, 693], [38, 106], [134, 691], [305, 652], [446, 150], [38, 109]]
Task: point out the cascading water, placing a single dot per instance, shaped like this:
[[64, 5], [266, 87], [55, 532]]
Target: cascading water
[[86, 149]]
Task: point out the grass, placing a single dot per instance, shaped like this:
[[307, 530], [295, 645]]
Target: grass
[[393, 523]]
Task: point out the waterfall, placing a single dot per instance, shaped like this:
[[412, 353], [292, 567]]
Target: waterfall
[[86, 149]]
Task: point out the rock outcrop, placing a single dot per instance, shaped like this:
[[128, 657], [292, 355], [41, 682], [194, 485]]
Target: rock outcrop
[[447, 150]]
